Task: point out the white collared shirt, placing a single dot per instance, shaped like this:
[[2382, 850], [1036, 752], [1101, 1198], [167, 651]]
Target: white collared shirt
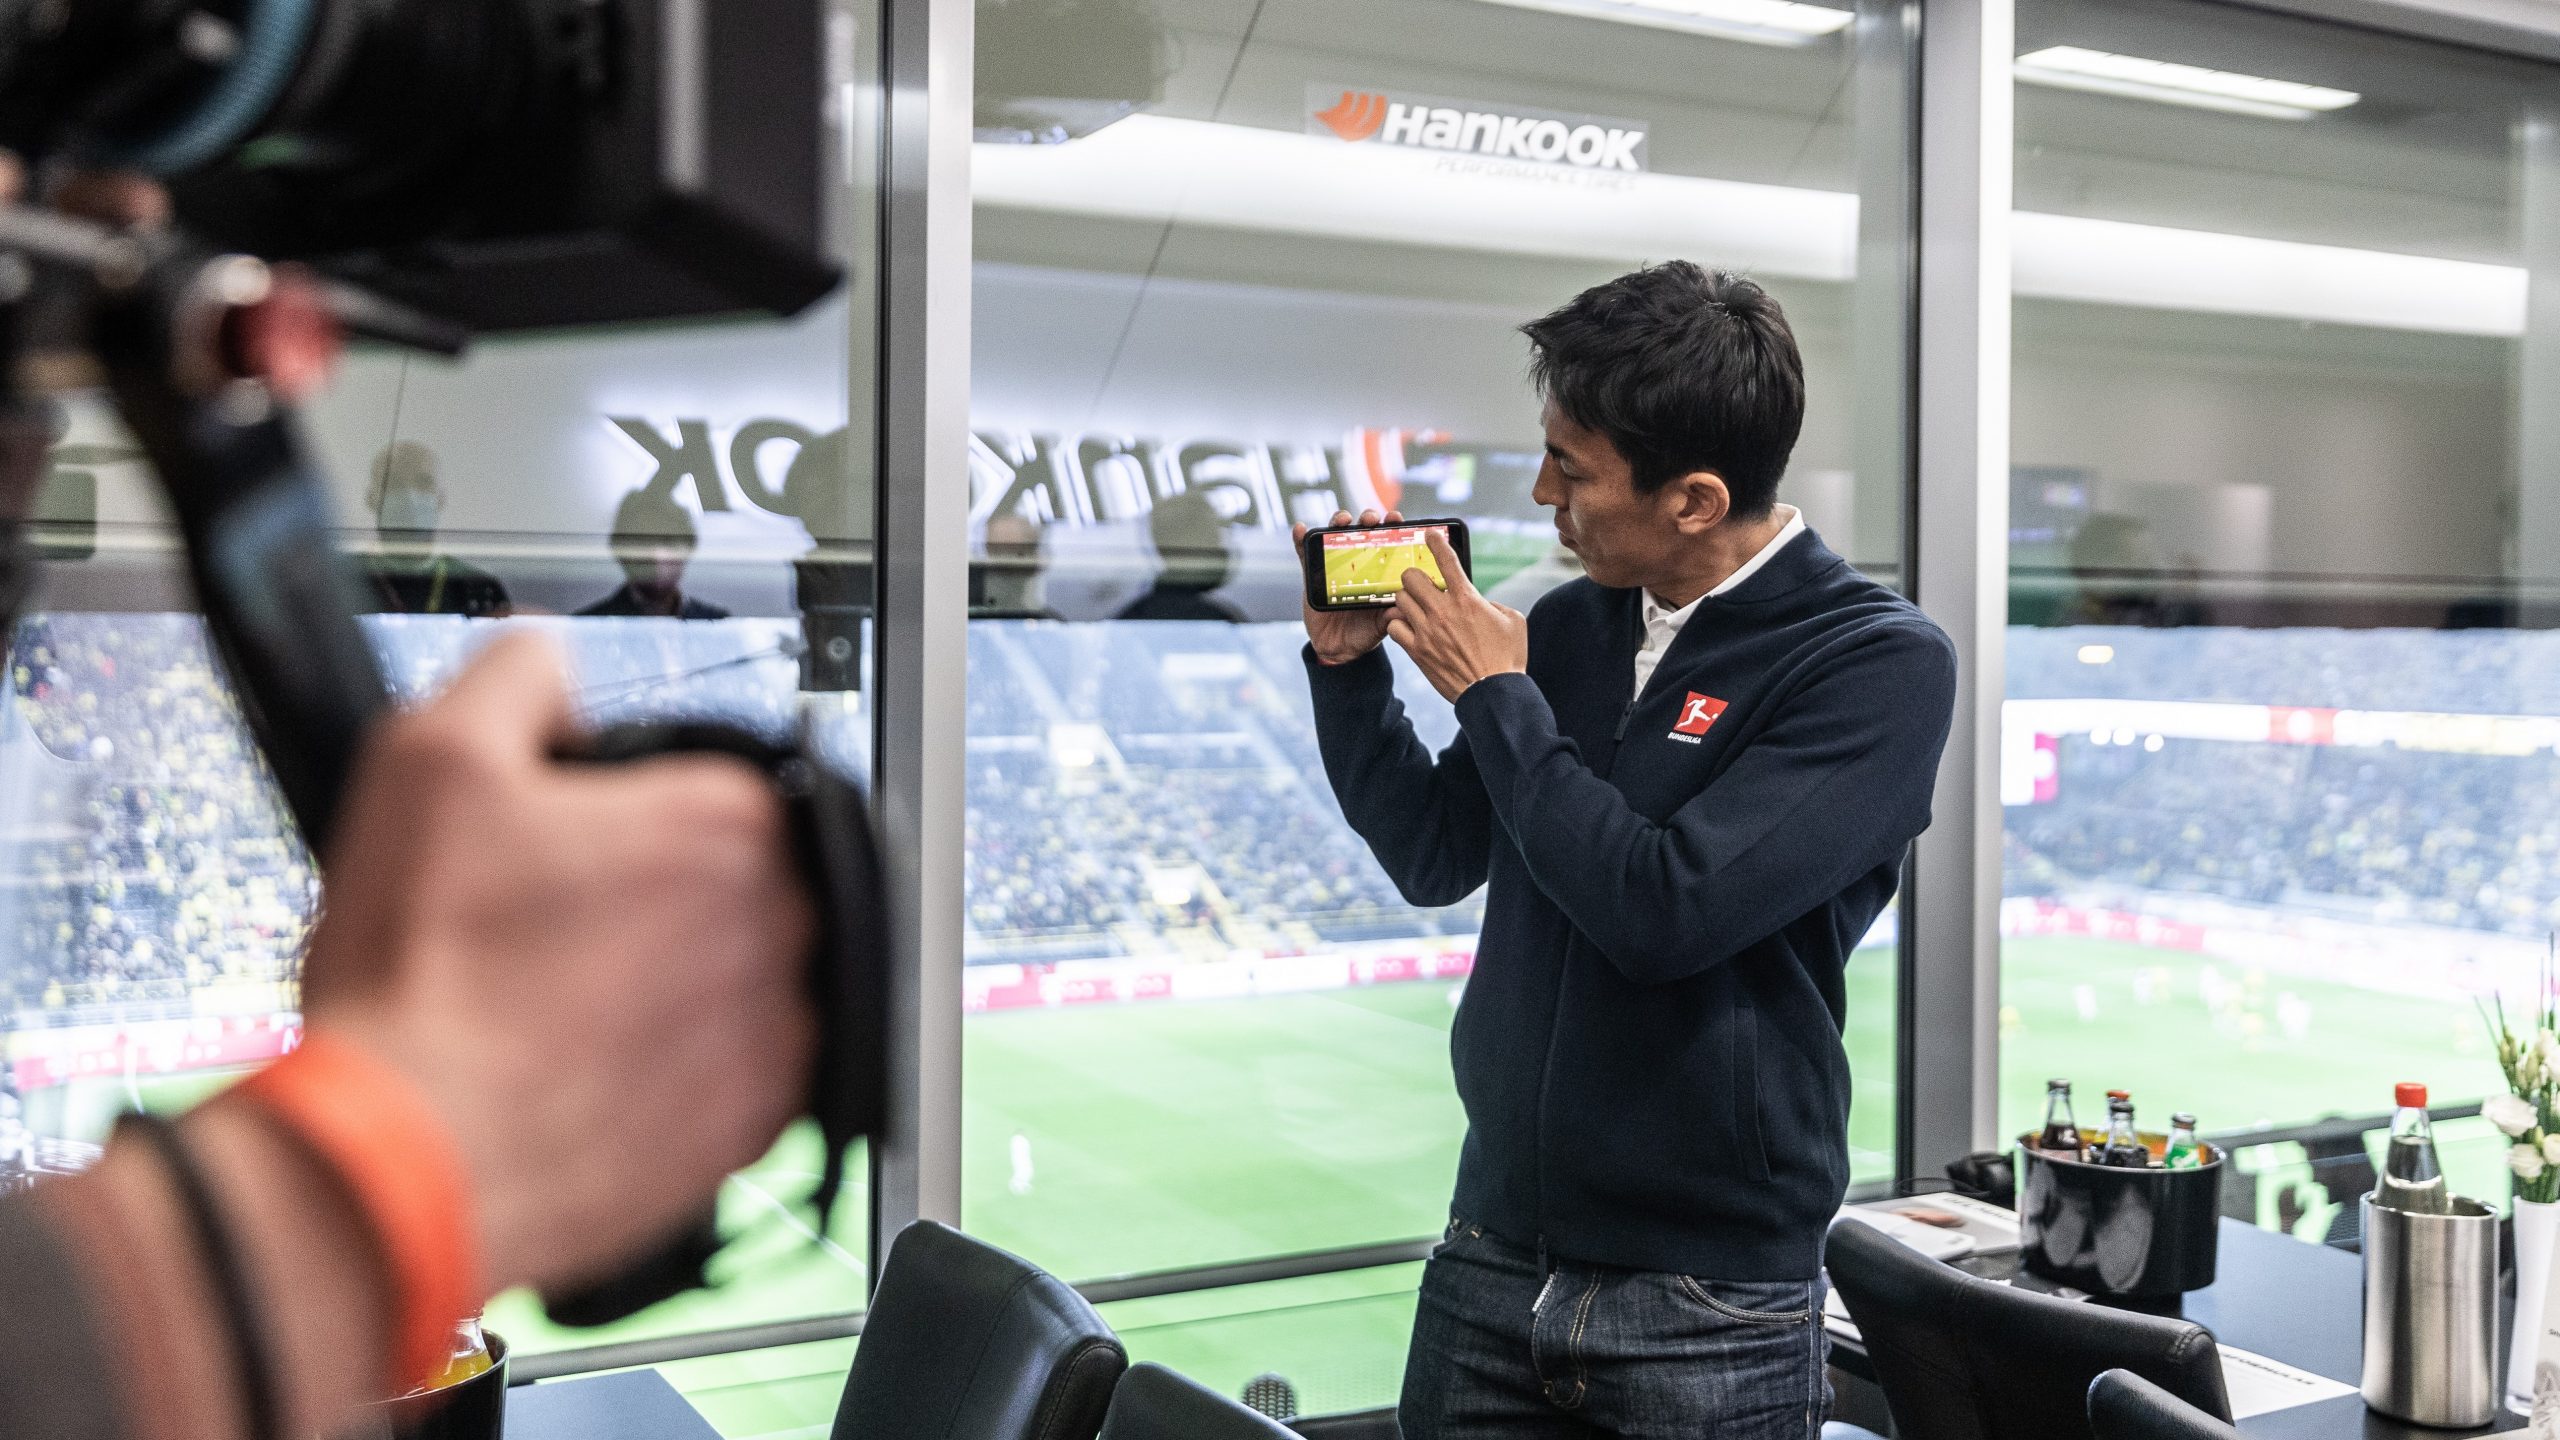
[[1662, 626]]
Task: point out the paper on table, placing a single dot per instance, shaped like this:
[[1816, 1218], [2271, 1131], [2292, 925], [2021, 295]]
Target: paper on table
[[2258, 1385], [2542, 1421], [1929, 1240], [1835, 1315]]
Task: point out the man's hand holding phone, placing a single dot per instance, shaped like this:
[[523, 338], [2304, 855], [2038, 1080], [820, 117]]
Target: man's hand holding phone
[[1456, 636], [1342, 636]]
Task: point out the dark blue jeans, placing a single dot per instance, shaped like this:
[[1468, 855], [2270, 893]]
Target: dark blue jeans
[[1582, 1351]]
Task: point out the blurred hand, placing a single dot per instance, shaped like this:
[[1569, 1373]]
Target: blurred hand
[[1456, 636], [1342, 636], [594, 973]]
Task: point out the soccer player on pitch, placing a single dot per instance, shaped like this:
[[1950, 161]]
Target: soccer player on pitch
[[1687, 782]]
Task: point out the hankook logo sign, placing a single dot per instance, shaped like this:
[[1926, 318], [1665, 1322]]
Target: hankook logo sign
[[1474, 127]]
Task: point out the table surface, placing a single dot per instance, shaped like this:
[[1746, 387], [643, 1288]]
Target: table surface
[[2288, 1300], [626, 1405], [2283, 1298]]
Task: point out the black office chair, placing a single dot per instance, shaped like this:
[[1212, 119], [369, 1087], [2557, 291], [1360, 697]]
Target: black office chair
[[2124, 1406], [1153, 1403], [964, 1340], [1963, 1358]]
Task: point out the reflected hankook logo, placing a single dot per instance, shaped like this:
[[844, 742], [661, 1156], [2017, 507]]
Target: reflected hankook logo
[[1474, 127]]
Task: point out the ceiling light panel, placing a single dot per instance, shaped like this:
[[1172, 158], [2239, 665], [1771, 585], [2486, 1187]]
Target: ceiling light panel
[[2070, 67], [1759, 22]]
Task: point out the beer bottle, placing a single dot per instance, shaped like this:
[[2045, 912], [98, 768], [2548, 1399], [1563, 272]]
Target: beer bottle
[[467, 1356], [2184, 1152], [2123, 1148], [2411, 1179], [2061, 1133]]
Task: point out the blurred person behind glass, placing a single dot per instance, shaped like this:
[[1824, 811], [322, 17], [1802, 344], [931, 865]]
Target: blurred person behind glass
[[410, 576], [1009, 583], [654, 539], [1193, 559]]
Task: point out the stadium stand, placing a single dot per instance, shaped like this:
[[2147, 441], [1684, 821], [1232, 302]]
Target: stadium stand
[[2463, 833], [1155, 791]]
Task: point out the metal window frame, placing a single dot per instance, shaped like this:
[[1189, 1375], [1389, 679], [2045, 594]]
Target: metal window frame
[[920, 656], [1957, 545], [1959, 555]]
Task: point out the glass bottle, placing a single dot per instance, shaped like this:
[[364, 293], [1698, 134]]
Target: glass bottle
[[2185, 1152], [2411, 1179], [2123, 1148], [2061, 1133], [469, 1356]]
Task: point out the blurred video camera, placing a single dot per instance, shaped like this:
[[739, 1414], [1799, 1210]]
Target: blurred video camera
[[500, 164], [415, 171]]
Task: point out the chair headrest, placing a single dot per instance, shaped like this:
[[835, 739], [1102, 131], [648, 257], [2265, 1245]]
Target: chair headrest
[[1153, 1403]]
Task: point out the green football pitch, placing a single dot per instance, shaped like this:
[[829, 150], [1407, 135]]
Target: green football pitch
[[1117, 1139]]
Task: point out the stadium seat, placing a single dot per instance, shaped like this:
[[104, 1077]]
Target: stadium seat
[[2124, 1406], [1153, 1403], [1963, 1358], [966, 1340]]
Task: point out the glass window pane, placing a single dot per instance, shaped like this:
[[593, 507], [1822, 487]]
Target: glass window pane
[[2277, 760], [684, 506], [1239, 265], [1321, 1345]]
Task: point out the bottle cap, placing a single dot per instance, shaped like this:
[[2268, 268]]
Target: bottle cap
[[2057, 1084], [2119, 1094], [2183, 1118], [2409, 1095]]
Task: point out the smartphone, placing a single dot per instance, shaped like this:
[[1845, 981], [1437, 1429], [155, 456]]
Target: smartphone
[[1355, 567]]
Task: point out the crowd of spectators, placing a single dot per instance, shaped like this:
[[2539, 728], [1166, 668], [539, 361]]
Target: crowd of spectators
[[147, 856], [1157, 786], [1206, 810], [2470, 841], [143, 854]]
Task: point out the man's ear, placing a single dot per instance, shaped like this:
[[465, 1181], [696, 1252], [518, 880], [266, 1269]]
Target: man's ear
[[1699, 501]]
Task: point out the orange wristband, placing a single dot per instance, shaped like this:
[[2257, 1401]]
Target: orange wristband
[[401, 1162]]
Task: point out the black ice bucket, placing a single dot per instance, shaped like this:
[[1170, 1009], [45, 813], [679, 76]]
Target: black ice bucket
[[2149, 1234]]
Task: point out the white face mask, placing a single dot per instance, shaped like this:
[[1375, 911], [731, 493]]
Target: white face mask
[[410, 510]]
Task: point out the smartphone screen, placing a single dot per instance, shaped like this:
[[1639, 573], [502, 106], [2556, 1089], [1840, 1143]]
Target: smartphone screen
[[1365, 566]]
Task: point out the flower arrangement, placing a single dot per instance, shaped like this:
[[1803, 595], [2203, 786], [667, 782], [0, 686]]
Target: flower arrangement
[[2529, 1114]]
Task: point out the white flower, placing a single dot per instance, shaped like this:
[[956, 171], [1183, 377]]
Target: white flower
[[2510, 1113], [2551, 1149], [2526, 1161]]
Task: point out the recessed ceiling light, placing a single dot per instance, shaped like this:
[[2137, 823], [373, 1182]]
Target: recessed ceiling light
[[2070, 67], [1761, 22]]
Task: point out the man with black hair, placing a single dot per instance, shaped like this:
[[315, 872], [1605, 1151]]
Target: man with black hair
[[1687, 782]]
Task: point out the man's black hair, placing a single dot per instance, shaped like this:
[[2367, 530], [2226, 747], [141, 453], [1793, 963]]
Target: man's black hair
[[1684, 369]]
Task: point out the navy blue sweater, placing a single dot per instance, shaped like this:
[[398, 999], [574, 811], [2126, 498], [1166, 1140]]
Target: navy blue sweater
[[1649, 1049]]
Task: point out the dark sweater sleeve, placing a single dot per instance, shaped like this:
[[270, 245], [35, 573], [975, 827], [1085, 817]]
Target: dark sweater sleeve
[[1836, 785], [53, 1376], [1428, 823]]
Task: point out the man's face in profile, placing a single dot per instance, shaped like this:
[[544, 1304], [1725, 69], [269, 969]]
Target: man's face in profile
[[1623, 539]]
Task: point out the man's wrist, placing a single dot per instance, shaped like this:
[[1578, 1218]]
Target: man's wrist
[[312, 1260], [153, 1299], [308, 1270], [1483, 680]]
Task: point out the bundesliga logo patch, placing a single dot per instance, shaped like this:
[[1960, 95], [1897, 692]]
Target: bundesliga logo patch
[[1696, 714]]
